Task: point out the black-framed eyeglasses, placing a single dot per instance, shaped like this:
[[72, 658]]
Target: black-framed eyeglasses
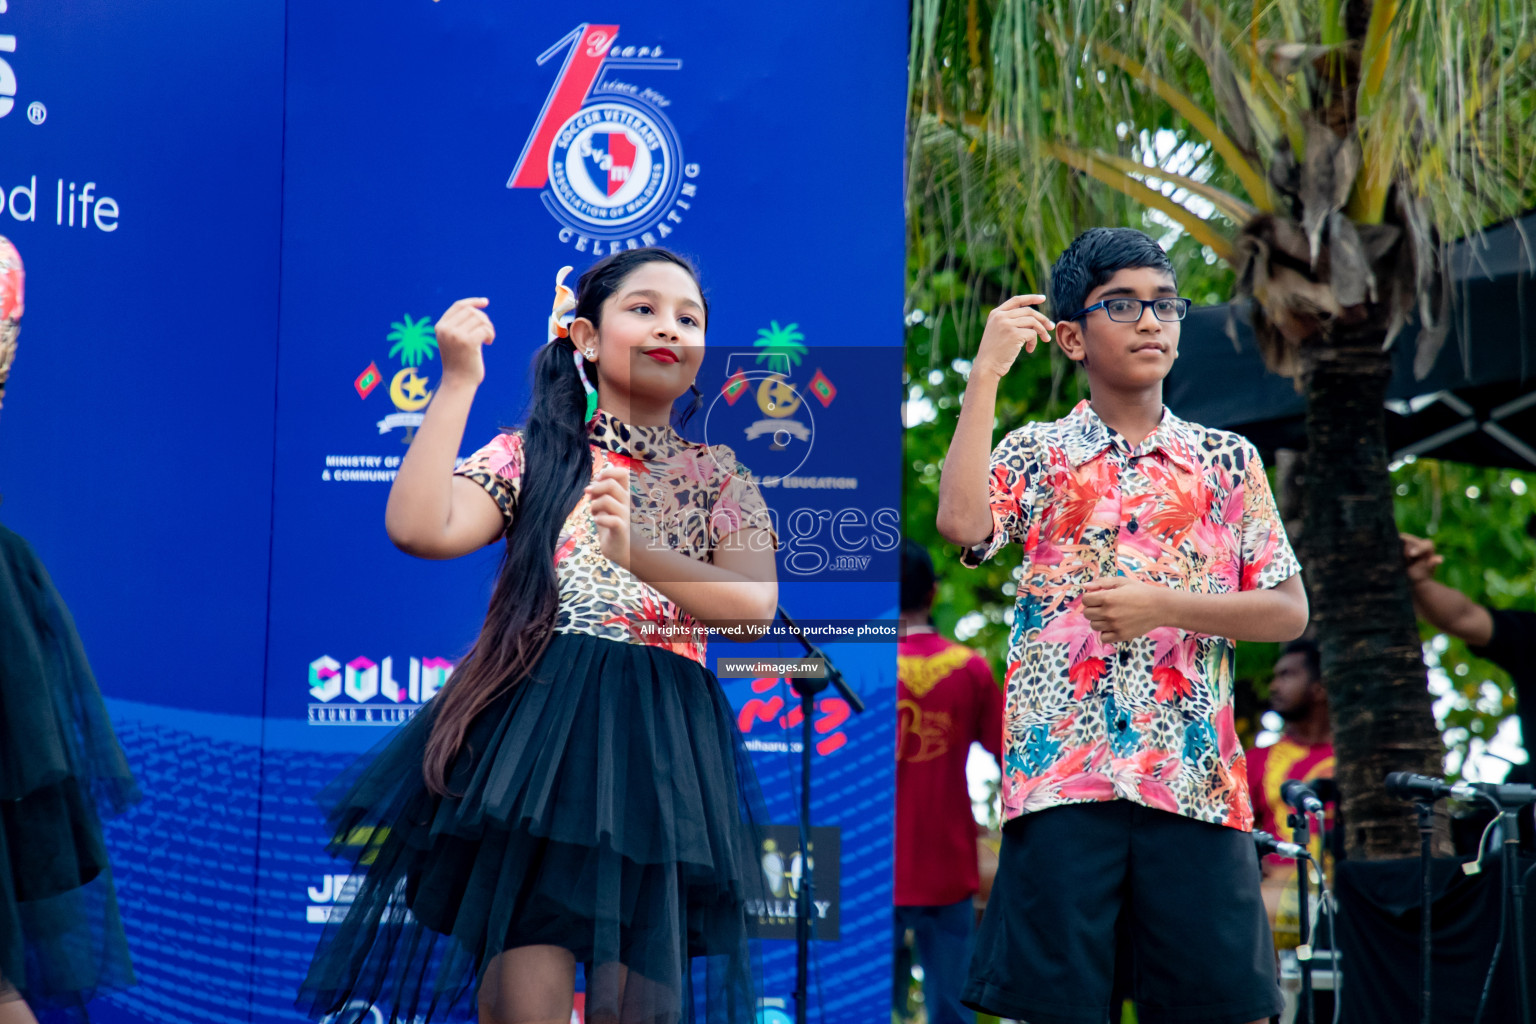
[[1129, 310]]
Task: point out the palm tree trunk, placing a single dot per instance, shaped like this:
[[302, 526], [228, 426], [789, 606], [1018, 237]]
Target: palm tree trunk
[[1371, 658]]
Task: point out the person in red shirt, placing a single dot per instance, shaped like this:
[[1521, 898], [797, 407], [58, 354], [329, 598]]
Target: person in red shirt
[[1303, 752], [946, 699]]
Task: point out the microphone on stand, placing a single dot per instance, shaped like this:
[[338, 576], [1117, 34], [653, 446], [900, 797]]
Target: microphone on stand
[[1302, 800], [1301, 797], [1507, 794], [1269, 844], [1411, 786]]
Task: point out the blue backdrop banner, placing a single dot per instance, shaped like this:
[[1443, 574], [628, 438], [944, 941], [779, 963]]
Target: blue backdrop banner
[[239, 222]]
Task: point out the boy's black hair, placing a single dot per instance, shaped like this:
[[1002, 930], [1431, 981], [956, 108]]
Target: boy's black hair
[[1308, 650], [917, 577], [1093, 258]]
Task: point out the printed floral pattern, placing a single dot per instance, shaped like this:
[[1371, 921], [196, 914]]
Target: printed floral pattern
[[689, 495], [1150, 720]]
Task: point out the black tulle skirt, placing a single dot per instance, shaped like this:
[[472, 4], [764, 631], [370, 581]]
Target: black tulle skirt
[[61, 771], [606, 808]]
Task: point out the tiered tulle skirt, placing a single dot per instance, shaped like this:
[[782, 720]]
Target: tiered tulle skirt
[[61, 771], [605, 808]]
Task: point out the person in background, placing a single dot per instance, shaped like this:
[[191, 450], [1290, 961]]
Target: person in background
[[1305, 748], [62, 773], [947, 699], [1506, 637], [1304, 752]]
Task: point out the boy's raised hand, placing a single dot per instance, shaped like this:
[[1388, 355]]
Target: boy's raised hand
[[461, 332], [1011, 326]]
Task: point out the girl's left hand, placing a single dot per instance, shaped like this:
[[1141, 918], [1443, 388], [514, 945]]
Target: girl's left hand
[[609, 494]]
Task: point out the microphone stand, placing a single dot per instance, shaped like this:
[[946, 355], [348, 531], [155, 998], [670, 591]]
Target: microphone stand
[[1301, 835], [1424, 791], [1426, 811], [1514, 894], [808, 688]]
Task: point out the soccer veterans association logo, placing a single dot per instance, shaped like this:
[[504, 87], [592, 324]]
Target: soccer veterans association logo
[[607, 158]]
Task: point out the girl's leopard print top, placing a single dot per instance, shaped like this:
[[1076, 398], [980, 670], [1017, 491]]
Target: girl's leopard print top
[[692, 496]]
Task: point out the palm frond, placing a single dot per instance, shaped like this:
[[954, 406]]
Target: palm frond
[[1033, 119]]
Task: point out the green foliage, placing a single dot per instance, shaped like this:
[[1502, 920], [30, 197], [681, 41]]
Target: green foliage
[[1477, 518], [1006, 94]]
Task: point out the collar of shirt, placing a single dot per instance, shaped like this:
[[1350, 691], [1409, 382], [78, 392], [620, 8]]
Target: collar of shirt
[[1086, 437], [636, 442]]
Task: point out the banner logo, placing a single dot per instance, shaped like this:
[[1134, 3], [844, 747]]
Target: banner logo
[[367, 692], [773, 1010], [8, 73], [779, 857], [415, 341], [408, 390], [608, 160], [777, 439]]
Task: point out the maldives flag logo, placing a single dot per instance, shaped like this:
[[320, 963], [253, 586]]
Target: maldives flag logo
[[735, 387], [821, 387], [606, 158], [367, 380]]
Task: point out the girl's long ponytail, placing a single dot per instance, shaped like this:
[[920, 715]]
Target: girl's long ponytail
[[557, 465]]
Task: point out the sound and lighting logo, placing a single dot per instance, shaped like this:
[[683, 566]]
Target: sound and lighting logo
[[375, 696], [607, 158]]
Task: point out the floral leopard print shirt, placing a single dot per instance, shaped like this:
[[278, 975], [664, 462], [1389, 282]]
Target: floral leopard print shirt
[[692, 496], [1150, 720]]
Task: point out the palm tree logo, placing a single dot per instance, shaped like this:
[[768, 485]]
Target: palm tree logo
[[782, 348], [414, 341], [780, 342]]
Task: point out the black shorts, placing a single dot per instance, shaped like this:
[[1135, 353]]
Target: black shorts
[[1182, 895]]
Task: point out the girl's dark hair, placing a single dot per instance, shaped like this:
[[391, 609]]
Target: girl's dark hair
[[557, 465]]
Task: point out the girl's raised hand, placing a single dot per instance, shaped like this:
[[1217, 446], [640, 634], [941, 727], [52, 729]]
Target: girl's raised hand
[[609, 494], [460, 334]]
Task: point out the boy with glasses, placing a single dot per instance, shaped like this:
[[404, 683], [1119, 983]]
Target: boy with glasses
[[1150, 545]]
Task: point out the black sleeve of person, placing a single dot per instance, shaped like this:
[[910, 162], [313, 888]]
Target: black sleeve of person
[[1513, 648]]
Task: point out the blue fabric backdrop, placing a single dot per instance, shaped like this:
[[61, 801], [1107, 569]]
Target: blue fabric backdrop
[[225, 211]]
